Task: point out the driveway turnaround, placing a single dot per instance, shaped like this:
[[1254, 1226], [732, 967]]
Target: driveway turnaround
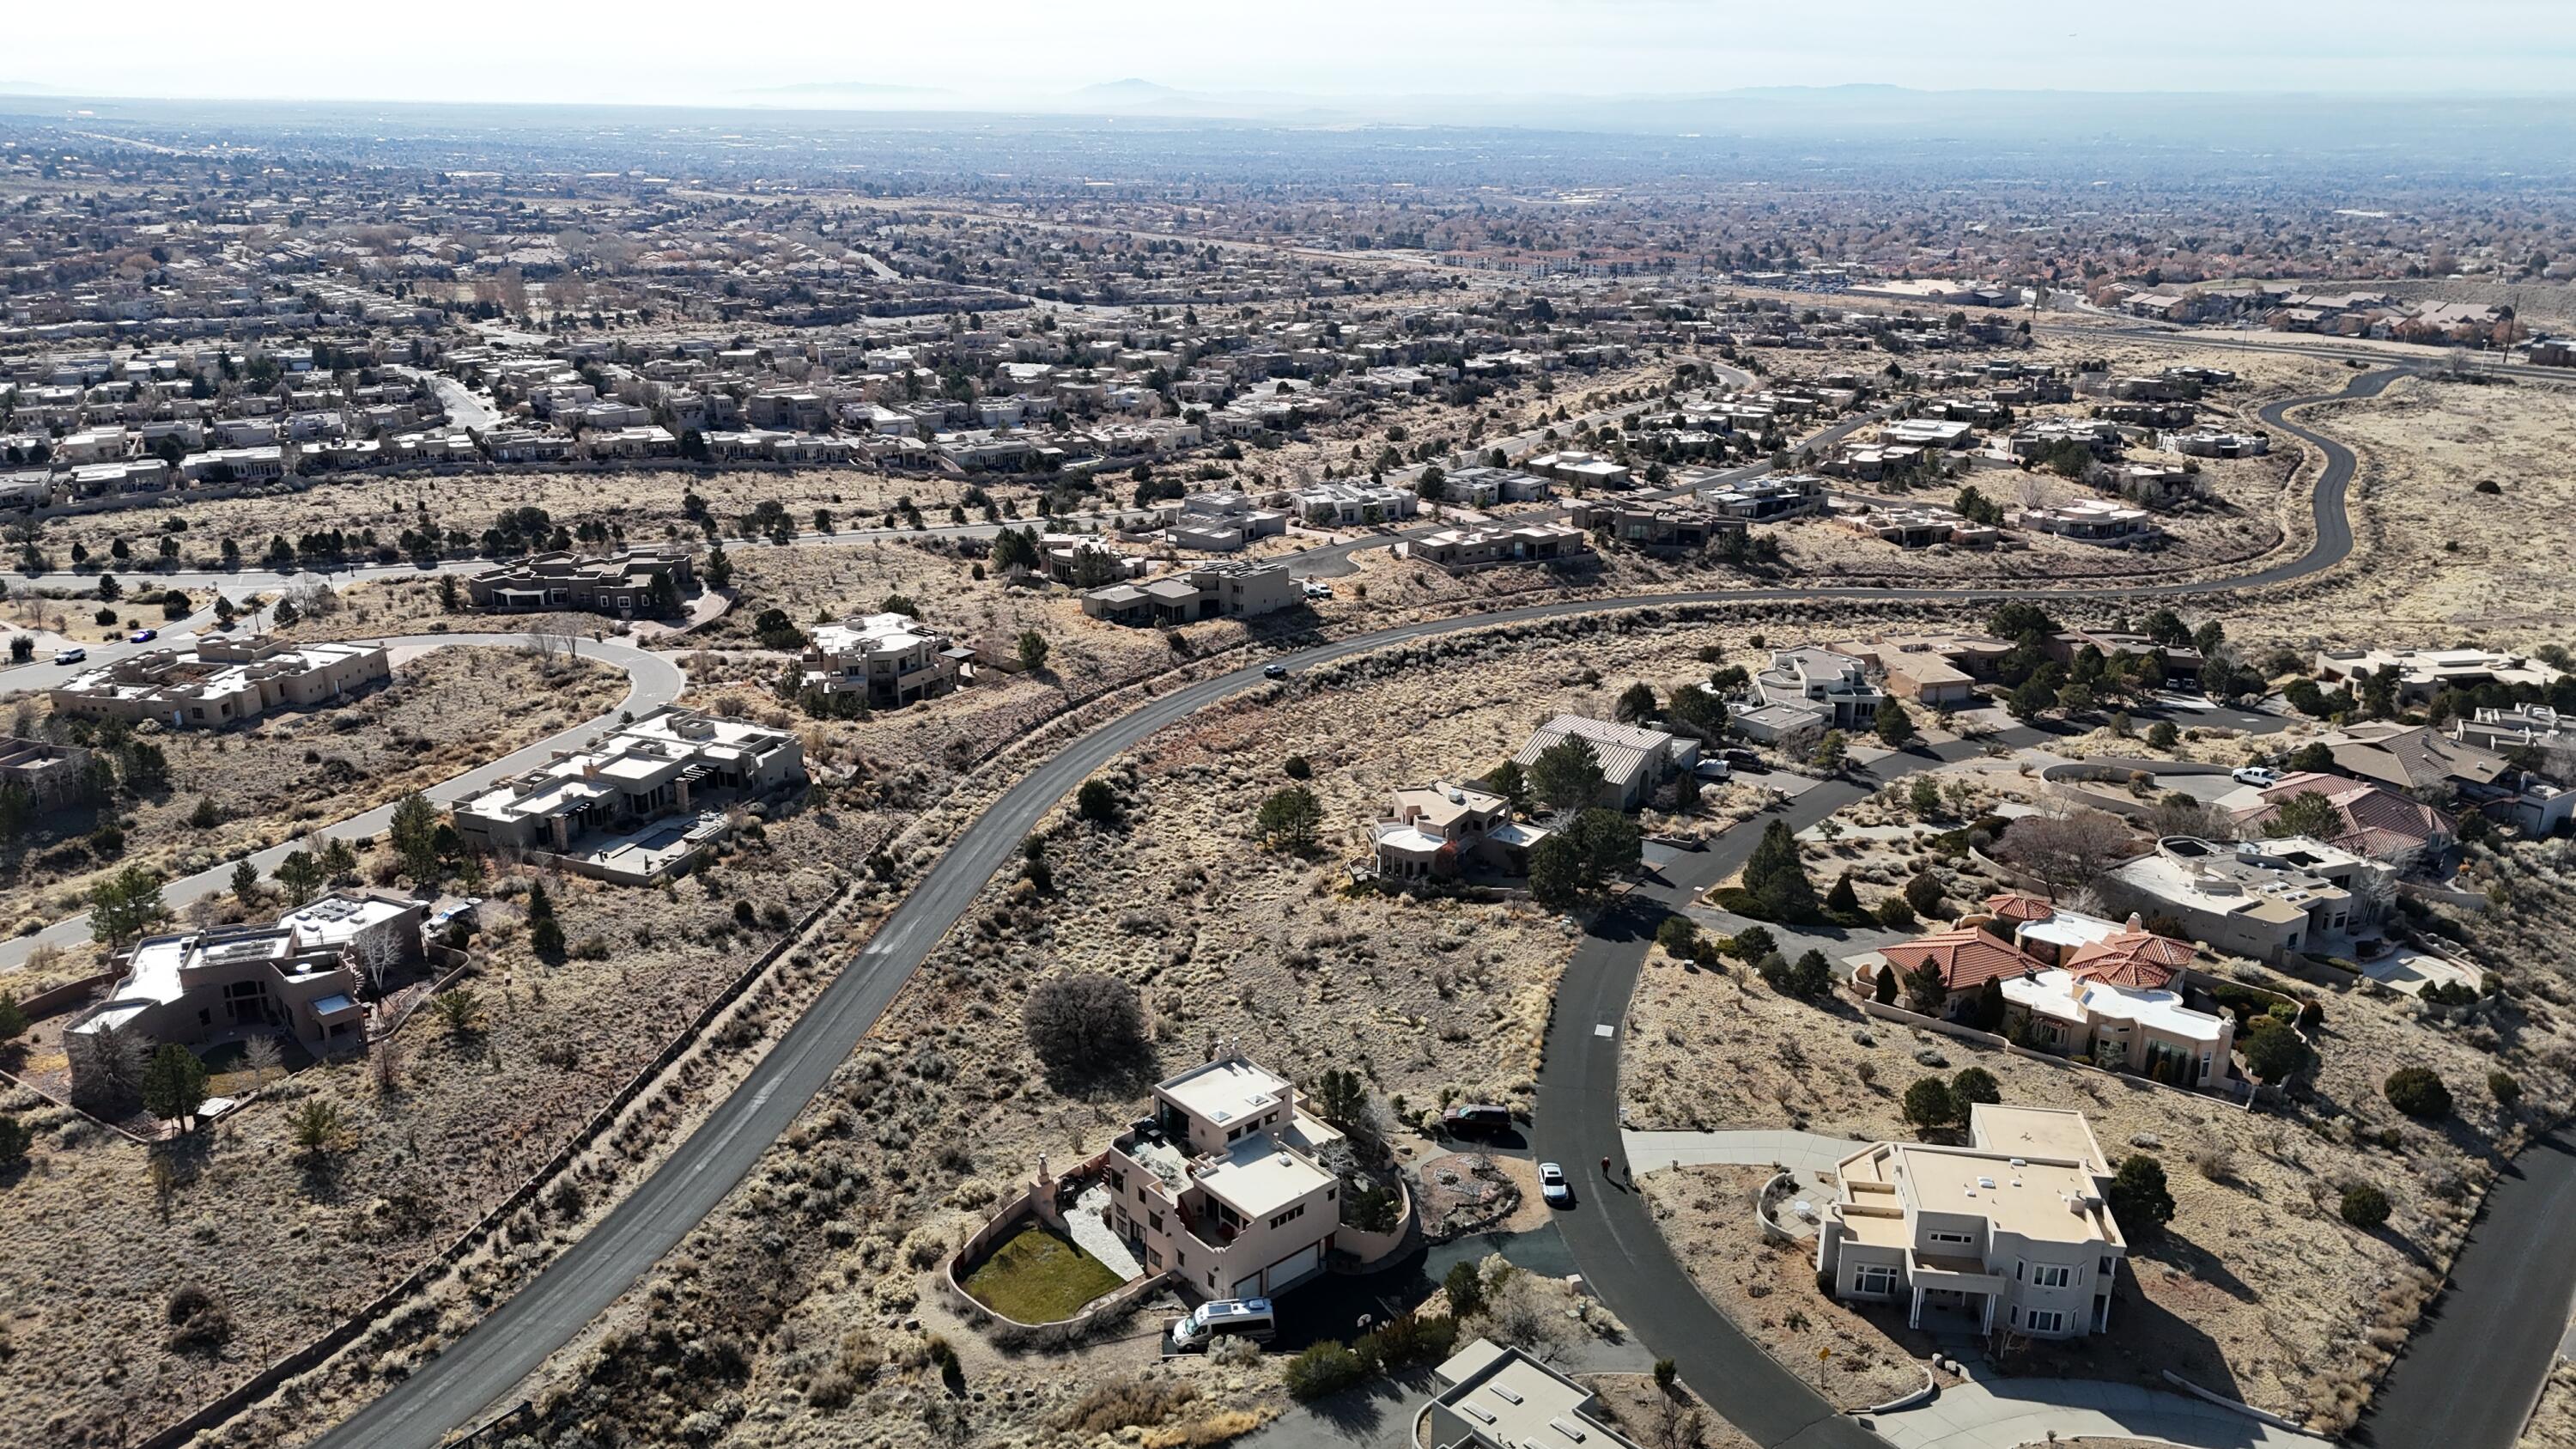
[[1614, 1239], [653, 680], [1753, 1147], [1991, 1412]]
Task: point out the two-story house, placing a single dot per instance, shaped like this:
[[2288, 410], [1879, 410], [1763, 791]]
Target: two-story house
[[2008, 1234], [1222, 1185], [893, 658], [1440, 830]]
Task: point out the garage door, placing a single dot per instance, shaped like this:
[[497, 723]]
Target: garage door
[[1295, 1268]]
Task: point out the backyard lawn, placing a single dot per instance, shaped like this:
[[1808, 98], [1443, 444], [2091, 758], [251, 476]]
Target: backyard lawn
[[1038, 1277]]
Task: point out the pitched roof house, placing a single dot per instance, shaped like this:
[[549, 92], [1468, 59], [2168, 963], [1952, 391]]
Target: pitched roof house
[[2377, 821]]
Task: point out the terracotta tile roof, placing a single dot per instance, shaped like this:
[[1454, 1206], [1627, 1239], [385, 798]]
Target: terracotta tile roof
[[2018, 908], [2134, 957], [2376, 820], [1967, 957]]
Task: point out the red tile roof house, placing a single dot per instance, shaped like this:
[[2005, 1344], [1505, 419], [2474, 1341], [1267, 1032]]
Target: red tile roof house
[[2082, 986], [2377, 822]]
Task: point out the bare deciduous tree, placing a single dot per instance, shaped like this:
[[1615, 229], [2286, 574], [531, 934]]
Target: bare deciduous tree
[[2067, 848], [262, 1058]]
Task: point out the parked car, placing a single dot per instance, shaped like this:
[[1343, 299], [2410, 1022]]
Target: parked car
[[2256, 775], [70, 656], [1274, 671], [1552, 1185], [1471, 1119], [1250, 1317], [143, 636], [1745, 760]]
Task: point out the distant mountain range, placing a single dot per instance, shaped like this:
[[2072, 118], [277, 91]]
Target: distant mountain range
[[2226, 121]]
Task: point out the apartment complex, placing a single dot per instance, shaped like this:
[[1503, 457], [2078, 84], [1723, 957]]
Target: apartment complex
[[2007, 1234], [637, 583], [215, 682], [640, 803], [890, 658], [1236, 589], [1221, 1183]]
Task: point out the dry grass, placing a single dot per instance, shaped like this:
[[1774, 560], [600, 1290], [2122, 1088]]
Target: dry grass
[[91, 1248], [2259, 1289], [291, 770], [2553, 1421], [1769, 1290]]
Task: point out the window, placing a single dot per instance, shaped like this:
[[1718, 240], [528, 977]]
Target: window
[[2052, 1275], [1154, 1221], [1874, 1279], [1289, 1216], [1950, 1238], [2047, 1320], [2106, 1267]]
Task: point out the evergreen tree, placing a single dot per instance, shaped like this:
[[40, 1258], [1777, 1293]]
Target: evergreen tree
[[1776, 878]]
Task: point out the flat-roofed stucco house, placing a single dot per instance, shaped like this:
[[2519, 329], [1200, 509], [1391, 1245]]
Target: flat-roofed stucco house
[[2261, 898], [893, 658], [1442, 830], [1235, 589], [640, 803], [1494, 1397], [54, 776], [215, 682], [638, 583], [300, 975], [1463, 550], [2007, 1234], [1222, 1185]]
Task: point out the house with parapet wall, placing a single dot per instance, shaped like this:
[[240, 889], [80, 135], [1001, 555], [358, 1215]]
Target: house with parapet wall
[[1235, 589], [1464, 550], [639, 803], [2009, 1234], [893, 658], [213, 682], [1443, 830], [1223, 1184], [2268, 899], [300, 975], [637, 583], [1494, 1397]]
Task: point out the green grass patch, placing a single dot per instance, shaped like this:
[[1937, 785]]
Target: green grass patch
[[1035, 1276]]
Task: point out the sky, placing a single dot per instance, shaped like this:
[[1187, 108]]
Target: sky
[[998, 52]]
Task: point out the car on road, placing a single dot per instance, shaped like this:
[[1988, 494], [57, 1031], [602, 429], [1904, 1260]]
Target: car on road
[[70, 656], [2257, 776], [143, 636], [1274, 671], [1552, 1185]]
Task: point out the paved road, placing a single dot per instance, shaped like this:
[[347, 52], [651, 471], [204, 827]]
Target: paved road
[[1616, 1242], [653, 680], [2470, 1376]]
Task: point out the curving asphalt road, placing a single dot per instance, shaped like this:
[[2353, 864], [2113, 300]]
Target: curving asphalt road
[[1621, 1253], [653, 680]]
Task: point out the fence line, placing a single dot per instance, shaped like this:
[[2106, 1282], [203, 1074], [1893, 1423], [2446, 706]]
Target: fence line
[[348, 1330]]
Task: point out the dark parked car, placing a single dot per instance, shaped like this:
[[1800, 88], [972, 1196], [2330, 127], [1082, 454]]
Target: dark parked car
[[1476, 1119]]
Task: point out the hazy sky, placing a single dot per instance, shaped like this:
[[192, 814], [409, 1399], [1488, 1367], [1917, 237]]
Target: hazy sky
[[995, 50]]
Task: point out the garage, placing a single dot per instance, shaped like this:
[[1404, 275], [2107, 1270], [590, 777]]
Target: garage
[[1296, 1268]]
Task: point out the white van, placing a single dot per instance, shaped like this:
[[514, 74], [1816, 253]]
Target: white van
[[1247, 1316]]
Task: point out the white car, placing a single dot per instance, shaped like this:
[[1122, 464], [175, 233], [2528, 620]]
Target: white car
[[1552, 1185], [2257, 776], [70, 656]]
